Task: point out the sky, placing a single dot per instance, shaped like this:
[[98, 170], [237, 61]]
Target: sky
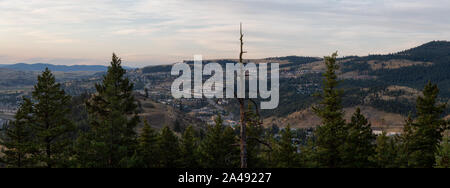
[[151, 32]]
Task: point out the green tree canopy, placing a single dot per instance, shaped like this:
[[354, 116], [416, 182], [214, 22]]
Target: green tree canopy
[[218, 149], [112, 138], [429, 127], [169, 148], [359, 144], [286, 155], [148, 146], [332, 132], [17, 139], [189, 148], [51, 126]]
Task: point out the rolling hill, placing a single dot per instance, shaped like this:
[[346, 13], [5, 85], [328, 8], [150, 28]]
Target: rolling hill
[[385, 86]]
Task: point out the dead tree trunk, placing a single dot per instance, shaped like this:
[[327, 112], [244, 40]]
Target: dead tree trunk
[[243, 142]]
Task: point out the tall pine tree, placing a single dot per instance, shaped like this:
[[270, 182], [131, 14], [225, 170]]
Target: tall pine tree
[[429, 127], [189, 148], [17, 139], [359, 143], [51, 125], [148, 146], [112, 139], [332, 132]]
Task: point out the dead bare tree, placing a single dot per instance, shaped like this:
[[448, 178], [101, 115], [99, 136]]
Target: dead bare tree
[[243, 112], [243, 143]]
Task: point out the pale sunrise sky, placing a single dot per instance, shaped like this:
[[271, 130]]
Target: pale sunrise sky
[[150, 32]]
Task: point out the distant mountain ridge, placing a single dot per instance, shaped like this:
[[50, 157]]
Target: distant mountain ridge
[[61, 68]]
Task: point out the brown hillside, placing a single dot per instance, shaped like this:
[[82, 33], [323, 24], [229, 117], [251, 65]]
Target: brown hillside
[[307, 119], [159, 115]]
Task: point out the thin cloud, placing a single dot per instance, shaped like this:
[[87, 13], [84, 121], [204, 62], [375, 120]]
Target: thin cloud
[[145, 32]]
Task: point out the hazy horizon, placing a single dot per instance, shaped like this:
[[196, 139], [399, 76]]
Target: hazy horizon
[[154, 32], [126, 64]]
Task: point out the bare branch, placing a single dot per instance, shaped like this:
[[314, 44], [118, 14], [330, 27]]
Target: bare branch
[[262, 142]]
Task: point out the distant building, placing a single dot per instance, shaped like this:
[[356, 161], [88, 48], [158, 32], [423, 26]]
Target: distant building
[[389, 133], [377, 132]]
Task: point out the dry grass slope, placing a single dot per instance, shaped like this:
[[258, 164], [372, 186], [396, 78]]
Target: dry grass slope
[[307, 119], [159, 115]]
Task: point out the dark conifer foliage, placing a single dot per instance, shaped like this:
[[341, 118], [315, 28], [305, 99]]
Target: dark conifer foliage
[[286, 155], [112, 138], [169, 148], [443, 154], [428, 128], [17, 138], [41, 135], [148, 147], [404, 144], [419, 145], [219, 147], [385, 152], [256, 145], [189, 145], [332, 133], [51, 126], [359, 145]]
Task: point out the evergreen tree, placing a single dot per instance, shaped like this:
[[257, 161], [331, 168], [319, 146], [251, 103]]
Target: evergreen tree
[[359, 144], [308, 154], [286, 153], [254, 134], [85, 153], [189, 148], [429, 127], [17, 139], [112, 139], [169, 148], [52, 128], [404, 143], [218, 148], [443, 155], [332, 133], [269, 155], [148, 146], [385, 152]]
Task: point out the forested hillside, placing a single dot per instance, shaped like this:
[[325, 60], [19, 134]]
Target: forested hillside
[[387, 83]]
